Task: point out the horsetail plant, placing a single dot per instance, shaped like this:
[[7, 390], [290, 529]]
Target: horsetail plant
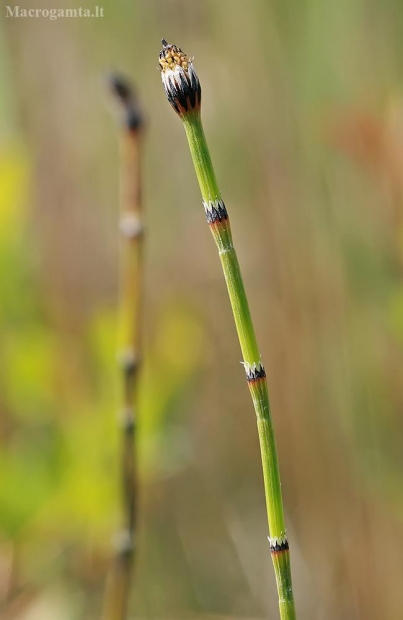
[[130, 302], [182, 88]]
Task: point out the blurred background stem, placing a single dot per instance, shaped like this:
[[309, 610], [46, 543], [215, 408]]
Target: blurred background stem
[[130, 305]]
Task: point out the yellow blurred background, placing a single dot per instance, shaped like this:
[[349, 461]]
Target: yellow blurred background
[[303, 111]]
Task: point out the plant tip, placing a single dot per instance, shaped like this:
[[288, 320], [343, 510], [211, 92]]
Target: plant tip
[[181, 84], [126, 96], [120, 87]]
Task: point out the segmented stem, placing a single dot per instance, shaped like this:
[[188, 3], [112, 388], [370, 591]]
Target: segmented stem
[[130, 303], [218, 220]]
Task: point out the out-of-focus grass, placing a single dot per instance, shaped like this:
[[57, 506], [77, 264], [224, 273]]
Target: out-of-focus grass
[[58, 467], [303, 110]]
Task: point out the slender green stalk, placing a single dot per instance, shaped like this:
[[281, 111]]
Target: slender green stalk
[[183, 91], [130, 276]]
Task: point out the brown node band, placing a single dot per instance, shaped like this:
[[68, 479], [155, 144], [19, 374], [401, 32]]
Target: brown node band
[[278, 547], [215, 211], [253, 373]]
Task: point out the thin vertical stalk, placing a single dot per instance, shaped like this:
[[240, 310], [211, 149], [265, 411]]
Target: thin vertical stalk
[[129, 355], [183, 91]]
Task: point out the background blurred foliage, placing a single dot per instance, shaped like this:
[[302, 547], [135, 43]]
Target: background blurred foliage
[[304, 114]]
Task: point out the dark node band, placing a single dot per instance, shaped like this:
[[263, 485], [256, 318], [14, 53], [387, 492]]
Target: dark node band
[[216, 212], [253, 373], [130, 367], [134, 119], [128, 421], [277, 548], [129, 363]]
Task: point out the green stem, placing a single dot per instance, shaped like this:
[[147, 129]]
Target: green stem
[[255, 373]]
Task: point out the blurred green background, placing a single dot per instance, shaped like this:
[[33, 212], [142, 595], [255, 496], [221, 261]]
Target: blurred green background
[[303, 110]]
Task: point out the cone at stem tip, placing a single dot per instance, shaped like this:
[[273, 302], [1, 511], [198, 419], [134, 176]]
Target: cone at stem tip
[[127, 98], [181, 84]]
